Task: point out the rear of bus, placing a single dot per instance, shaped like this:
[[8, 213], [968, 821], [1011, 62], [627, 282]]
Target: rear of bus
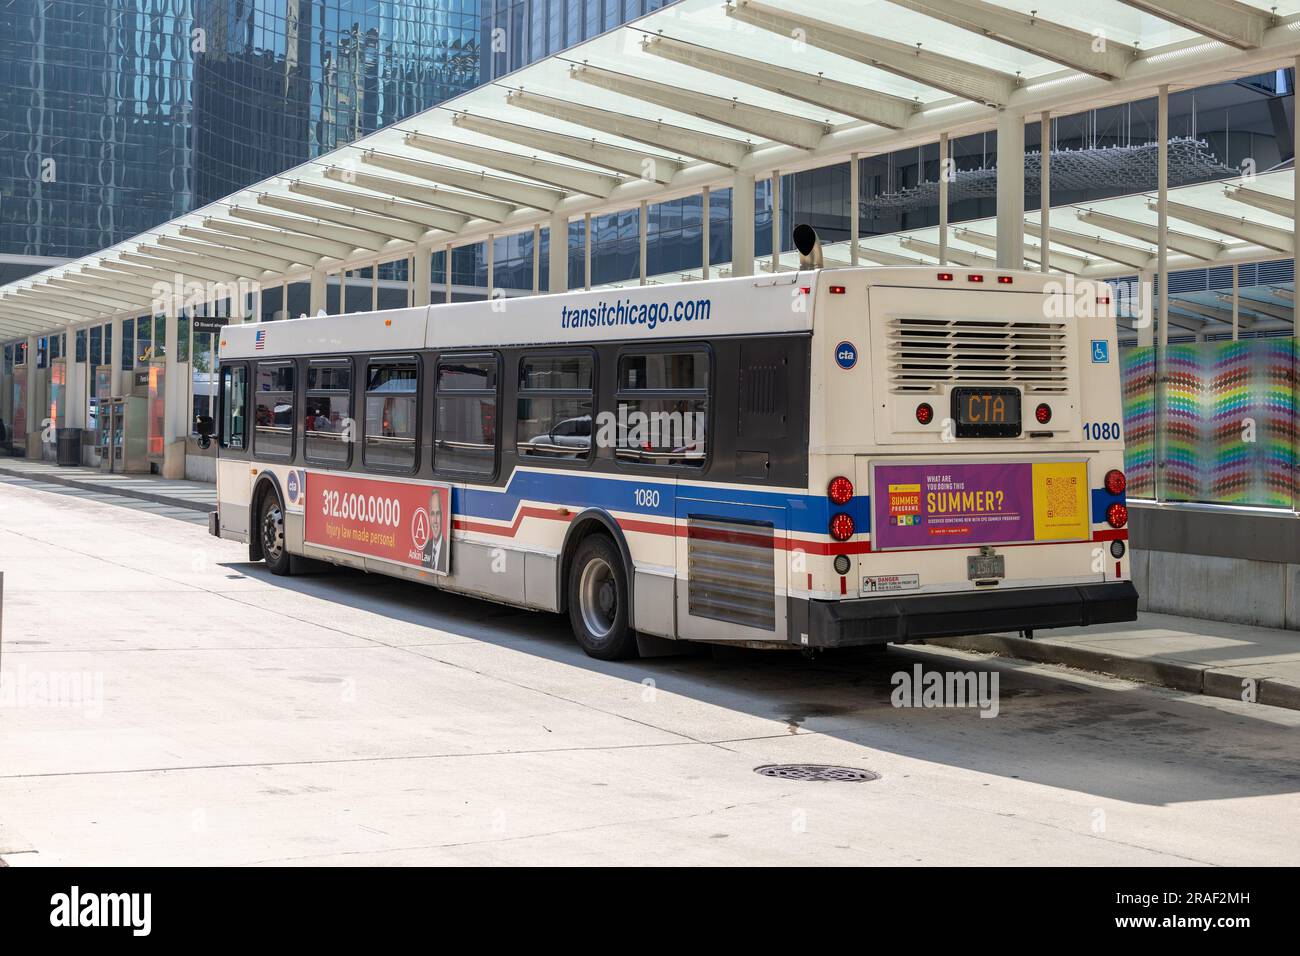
[[967, 433]]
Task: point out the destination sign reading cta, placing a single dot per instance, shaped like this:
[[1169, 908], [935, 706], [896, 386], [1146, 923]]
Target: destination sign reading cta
[[954, 504]]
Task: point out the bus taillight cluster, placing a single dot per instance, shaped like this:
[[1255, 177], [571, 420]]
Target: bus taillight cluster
[[840, 492]]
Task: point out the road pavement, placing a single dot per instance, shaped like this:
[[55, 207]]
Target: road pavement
[[210, 713]]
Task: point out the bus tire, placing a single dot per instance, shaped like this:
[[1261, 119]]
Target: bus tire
[[270, 529], [598, 600]]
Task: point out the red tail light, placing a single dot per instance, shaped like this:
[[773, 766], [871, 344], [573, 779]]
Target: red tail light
[[837, 290], [840, 490], [974, 277], [1043, 413], [841, 527], [1116, 515], [1004, 280], [1115, 481], [924, 413], [945, 276]]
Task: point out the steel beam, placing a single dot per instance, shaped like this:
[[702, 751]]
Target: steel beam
[[950, 74], [883, 109], [758, 121], [707, 147], [585, 181]]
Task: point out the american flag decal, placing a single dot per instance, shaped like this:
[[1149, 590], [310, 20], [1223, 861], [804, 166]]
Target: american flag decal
[[259, 340]]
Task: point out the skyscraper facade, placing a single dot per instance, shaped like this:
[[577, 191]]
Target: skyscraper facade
[[116, 115]]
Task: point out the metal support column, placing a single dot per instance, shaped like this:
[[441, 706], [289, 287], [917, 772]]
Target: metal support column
[[643, 226], [1162, 213], [943, 199], [1147, 326], [316, 294], [447, 274], [1011, 190], [35, 400], [1236, 302], [537, 259], [742, 225], [704, 233], [176, 394], [1045, 190], [558, 271], [491, 264], [776, 221], [114, 359], [855, 200], [586, 251], [422, 276], [1162, 268]]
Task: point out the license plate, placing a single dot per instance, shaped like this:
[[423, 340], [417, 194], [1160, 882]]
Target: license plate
[[980, 567], [986, 412]]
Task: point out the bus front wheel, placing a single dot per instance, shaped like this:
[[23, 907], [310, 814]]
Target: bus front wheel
[[598, 600], [270, 524]]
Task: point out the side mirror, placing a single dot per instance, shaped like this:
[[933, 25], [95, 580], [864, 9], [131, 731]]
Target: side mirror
[[206, 428]]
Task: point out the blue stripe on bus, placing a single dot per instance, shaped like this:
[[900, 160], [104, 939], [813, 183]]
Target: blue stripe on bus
[[804, 513]]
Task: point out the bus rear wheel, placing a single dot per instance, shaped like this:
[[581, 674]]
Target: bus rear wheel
[[270, 524], [598, 600]]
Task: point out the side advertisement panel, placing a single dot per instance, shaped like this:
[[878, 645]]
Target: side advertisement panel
[[398, 521]]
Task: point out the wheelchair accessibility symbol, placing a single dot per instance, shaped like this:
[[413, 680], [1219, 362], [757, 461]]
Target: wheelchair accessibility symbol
[[1100, 351]]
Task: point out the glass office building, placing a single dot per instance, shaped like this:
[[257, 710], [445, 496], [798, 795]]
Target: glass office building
[[94, 132], [117, 115], [279, 82]]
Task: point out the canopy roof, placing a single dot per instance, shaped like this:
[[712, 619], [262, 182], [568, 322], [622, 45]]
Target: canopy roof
[[690, 96]]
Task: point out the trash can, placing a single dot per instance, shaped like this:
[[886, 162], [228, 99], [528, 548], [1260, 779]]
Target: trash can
[[69, 446]]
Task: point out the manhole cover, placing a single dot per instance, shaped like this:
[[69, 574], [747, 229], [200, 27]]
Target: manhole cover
[[814, 771]]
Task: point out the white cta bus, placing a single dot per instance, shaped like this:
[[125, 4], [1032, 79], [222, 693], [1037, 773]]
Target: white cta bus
[[814, 459]]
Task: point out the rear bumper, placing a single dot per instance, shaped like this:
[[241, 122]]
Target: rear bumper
[[901, 619]]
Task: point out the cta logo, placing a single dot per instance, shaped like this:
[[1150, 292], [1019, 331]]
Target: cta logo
[[846, 355]]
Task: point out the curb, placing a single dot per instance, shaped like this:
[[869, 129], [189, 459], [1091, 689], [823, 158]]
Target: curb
[[1191, 678], [108, 489]]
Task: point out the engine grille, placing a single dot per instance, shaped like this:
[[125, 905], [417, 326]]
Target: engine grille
[[926, 354]]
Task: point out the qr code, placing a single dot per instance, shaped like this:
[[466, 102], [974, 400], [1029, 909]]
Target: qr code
[[1062, 497]]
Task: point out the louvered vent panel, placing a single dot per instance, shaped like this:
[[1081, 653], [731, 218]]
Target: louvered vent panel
[[925, 354]]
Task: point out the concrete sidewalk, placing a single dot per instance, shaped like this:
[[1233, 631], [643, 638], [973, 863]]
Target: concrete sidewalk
[[1235, 661], [194, 495]]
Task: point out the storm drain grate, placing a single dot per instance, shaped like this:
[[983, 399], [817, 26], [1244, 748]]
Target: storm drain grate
[[814, 771]]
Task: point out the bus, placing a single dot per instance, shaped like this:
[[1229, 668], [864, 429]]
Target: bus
[[809, 459]]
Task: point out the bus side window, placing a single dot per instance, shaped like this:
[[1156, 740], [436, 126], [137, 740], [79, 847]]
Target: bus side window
[[234, 403], [663, 400], [328, 425], [465, 433], [554, 418], [392, 402], [273, 428]]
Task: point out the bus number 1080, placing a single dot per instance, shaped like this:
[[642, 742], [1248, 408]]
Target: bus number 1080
[[646, 497]]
